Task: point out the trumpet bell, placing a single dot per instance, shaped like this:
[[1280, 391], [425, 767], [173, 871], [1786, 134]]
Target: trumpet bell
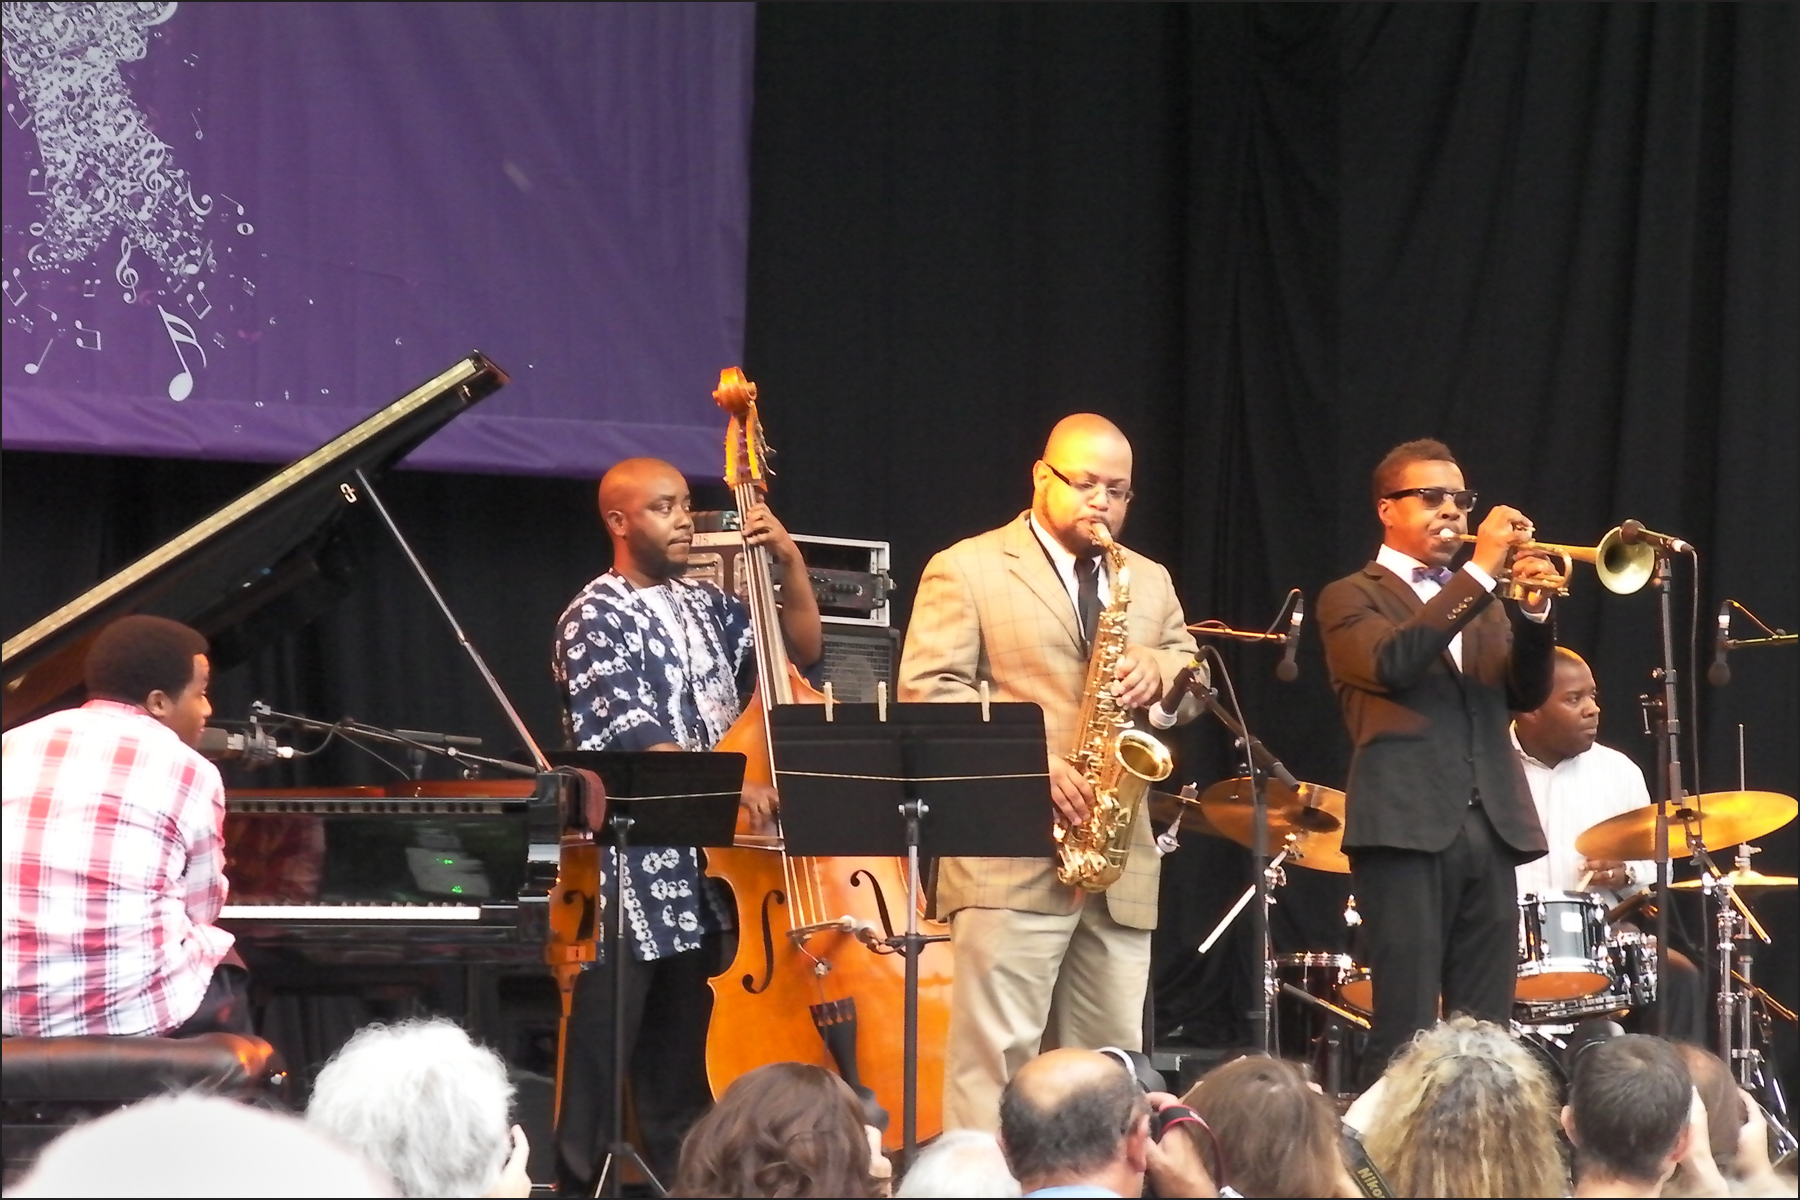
[[1623, 567]]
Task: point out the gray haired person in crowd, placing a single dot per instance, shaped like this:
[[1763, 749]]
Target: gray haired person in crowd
[[963, 1162], [427, 1105]]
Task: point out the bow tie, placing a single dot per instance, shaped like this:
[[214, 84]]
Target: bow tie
[[1437, 575]]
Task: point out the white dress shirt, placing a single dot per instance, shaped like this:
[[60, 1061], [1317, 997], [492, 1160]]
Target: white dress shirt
[[1572, 797], [1403, 564]]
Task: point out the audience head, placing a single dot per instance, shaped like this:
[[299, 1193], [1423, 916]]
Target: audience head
[[1272, 1134], [1075, 1117], [421, 1101], [1725, 1108], [963, 1162], [785, 1129], [157, 664], [198, 1146], [1628, 1111], [1467, 1111]]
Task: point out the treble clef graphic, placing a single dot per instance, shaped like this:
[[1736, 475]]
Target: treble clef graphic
[[125, 274]]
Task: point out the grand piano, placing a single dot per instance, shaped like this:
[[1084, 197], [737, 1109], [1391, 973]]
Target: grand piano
[[412, 873]]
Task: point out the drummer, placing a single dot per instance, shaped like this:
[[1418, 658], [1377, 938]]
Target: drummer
[[1576, 783]]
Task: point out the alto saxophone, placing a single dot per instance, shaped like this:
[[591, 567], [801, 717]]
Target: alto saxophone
[[1118, 762]]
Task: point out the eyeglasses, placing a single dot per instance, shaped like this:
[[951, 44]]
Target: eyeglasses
[[1433, 496], [1087, 487]]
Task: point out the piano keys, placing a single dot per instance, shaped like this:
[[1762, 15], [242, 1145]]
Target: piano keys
[[414, 872]]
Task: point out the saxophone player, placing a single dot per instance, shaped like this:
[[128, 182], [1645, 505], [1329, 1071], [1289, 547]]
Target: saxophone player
[[1041, 963]]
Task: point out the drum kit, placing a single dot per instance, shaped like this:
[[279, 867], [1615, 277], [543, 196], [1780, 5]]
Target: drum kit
[[1578, 959]]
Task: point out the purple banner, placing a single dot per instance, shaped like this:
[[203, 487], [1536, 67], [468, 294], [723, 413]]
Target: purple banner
[[234, 230]]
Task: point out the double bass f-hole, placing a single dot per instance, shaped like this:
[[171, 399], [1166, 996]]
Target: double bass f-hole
[[768, 941], [857, 879]]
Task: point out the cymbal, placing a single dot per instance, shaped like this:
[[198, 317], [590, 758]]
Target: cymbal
[[1167, 808], [1745, 879], [1724, 819], [1315, 816]]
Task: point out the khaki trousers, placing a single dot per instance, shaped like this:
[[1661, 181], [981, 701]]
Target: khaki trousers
[[1028, 982]]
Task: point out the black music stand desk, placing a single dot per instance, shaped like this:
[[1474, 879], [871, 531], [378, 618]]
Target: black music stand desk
[[861, 780], [653, 799]]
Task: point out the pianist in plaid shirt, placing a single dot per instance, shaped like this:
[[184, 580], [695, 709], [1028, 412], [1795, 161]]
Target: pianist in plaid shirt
[[112, 863]]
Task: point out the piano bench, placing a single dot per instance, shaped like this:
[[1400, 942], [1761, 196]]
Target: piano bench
[[48, 1085]]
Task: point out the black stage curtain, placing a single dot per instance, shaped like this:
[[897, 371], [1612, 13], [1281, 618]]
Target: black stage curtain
[[1270, 241]]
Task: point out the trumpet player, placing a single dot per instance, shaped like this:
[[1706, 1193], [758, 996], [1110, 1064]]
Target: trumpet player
[[1428, 668], [1039, 962]]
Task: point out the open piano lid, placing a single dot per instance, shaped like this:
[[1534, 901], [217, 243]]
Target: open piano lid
[[226, 566]]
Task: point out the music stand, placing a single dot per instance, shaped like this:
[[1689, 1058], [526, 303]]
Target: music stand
[[858, 780], [656, 799]]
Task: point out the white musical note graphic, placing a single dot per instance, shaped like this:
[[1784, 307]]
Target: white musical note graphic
[[81, 329], [15, 288], [181, 385], [32, 368], [198, 297], [125, 275]]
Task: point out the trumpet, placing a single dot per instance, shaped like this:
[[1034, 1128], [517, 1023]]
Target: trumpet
[[1623, 567]]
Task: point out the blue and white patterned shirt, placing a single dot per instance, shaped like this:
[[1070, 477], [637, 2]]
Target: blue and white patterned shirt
[[639, 667]]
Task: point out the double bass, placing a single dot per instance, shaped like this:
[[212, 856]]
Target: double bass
[[804, 987]]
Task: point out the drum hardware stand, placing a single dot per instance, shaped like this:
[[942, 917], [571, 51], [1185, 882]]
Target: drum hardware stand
[[1260, 763]]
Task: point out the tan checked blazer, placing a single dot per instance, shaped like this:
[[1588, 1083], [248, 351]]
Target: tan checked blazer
[[992, 607]]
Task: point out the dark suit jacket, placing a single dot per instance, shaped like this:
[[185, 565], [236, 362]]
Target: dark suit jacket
[[1429, 738]]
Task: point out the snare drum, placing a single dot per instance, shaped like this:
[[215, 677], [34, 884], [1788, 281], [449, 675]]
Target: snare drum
[[1562, 947], [1299, 1024]]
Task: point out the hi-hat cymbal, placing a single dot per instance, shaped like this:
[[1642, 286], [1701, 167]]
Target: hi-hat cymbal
[[1745, 879], [1315, 816], [1167, 808], [1720, 818]]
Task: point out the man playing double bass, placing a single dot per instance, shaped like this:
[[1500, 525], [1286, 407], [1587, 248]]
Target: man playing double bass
[[1040, 963], [647, 660], [1429, 669]]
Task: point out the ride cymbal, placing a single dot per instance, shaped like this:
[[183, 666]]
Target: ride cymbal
[[1718, 818], [1744, 879], [1314, 816]]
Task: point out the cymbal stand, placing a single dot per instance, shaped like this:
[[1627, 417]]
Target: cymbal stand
[[1744, 1007], [1260, 763]]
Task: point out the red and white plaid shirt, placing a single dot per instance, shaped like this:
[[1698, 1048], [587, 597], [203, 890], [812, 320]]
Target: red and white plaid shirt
[[111, 874]]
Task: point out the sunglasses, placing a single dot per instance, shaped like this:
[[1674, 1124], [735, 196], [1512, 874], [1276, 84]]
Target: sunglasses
[[1434, 496]]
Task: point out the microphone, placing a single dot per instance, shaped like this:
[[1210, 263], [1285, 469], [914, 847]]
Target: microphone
[[1162, 713], [255, 747], [1287, 670], [1633, 532], [1719, 674]]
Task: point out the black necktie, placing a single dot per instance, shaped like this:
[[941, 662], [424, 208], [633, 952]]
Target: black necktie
[[1087, 596]]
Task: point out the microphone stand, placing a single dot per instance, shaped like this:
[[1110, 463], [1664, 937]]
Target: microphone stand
[[418, 742], [1259, 764], [1667, 718]]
